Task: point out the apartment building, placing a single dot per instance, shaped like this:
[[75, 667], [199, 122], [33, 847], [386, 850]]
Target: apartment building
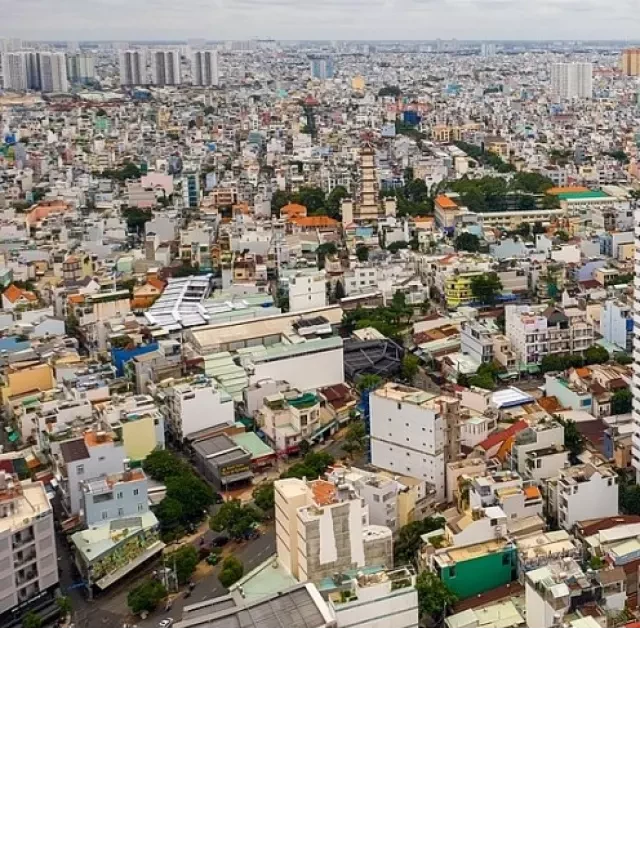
[[582, 492], [476, 341], [135, 421], [28, 561], [322, 529], [165, 67], [616, 324], [204, 68], [194, 405], [536, 331], [415, 433], [94, 311], [373, 598], [572, 80], [307, 290], [288, 418], [133, 67], [112, 496], [96, 454]]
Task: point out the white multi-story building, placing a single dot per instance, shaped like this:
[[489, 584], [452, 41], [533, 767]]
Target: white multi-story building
[[582, 492], [537, 330], [96, 454], [308, 290], [53, 72], [373, 598], [204, 68], [616, 324], [14, 67], [193, 406], [323, 529], [476, 341], [165, 67], [133, 67], [572, 80], [414, 432], [28, 561]]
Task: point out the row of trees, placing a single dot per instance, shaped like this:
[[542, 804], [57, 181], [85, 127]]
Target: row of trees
[[313, 198], [188, 498], [555, 363], [524, 191], [392, 320]]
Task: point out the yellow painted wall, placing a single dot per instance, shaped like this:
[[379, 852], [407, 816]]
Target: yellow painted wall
[[36, 378], [139, 438]]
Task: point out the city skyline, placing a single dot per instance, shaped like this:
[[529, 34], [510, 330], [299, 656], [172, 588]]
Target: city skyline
[[334, 19]]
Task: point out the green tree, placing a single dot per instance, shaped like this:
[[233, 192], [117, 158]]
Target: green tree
[[304, 446], [367, 382], [355, 438], [64, 604], [311, 466], [486, 287], [573, 439], [236, 518], [362, 253], [264, 497], [389, 92], [339, 291], [32, 620], [185, 560], [334, 202], [623, 358], [323, 251], [279, 199], [596, 355], [630, 499], [621, 402], [231, 571], [434, 597], [467, 242], [193, 494], [410, 367], [170, 518], [161, 464], [395, 247], [136, 217], [408, 541], [146, 596]]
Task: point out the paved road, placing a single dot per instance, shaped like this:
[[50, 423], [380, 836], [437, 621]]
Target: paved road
[[256, 551]]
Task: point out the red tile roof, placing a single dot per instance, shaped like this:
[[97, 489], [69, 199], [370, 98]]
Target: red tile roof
[[503, 435]]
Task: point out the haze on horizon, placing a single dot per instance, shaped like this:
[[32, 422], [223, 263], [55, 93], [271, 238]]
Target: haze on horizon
[[102, 20]]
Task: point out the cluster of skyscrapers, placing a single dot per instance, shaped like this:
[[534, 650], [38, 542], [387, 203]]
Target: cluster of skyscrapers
[[43, 71], [162, 67]]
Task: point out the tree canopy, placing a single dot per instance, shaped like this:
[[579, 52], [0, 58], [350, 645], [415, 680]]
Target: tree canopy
[[264, 497], [486, 288], [146, 596], [185, 560], [311, 466], [236, 518], [467, 242], [231, 571], [408, 540], [434, 597]]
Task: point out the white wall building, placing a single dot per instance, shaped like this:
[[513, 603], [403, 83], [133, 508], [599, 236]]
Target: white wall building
[[28, 561], [616, 324], [133, 67], [373, 598], [572, 80], [80, 459], [414, 432], [165, 67], [308, 290], [197, 405], [204, 68], [582, 492], [53, 72]]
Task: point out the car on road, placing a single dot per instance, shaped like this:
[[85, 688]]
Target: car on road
[[166, 623]]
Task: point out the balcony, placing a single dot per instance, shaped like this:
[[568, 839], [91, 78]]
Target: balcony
[[21, 558], [26, 576]]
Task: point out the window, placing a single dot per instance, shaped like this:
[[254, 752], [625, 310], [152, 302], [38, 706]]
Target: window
[[105, 515], [376, 499], [506, 558], [120, 511], [135, 491], [452, 572], [79, 469], [119, 496], [140, 507]]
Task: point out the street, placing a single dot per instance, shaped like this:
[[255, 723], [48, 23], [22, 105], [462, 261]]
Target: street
[[110, 610]]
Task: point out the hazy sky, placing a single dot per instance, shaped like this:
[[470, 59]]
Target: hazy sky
[[334, 19]]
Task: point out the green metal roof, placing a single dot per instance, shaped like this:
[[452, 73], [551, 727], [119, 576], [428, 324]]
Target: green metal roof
[[576, 196], [253, 444]]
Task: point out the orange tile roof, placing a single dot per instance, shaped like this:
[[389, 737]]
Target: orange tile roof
[[570, 189], [324, 493], [503, 435], [14, 294], [583, 372], [445, 201], [293, 209], [91, 439], [75, 298], [315, 221], [532, 492], [549, 404]]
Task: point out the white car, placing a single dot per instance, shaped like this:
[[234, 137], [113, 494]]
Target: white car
[[166, 623]]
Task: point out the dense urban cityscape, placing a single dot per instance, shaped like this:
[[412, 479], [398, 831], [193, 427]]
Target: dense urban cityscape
[[319, 334]]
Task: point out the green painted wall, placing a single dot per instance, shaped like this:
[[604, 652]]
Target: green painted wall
[[471, 577]]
